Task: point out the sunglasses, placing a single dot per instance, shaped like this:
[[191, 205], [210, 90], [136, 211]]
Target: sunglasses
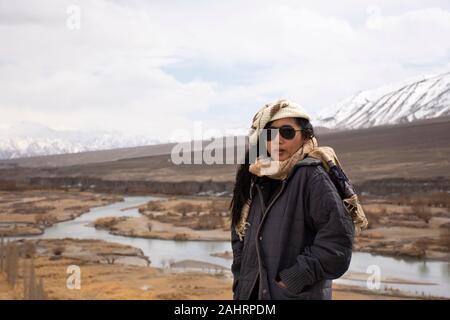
[[287, 132]]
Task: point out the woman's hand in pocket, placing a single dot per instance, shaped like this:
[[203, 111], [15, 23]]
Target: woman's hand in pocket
[[280, 284]]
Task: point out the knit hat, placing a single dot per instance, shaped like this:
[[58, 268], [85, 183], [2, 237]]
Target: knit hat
[[274, 111]]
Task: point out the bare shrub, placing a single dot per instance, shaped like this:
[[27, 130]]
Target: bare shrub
[[107, 222], [180, 237], [185, 207], [57, 251], [110, 259], [27, 250], [28, 208], [208, 222], [444, 238], [423, 213], [434, 199], [45, 219], [153, 206], [12, 263], [76, 208], [373, 218], [218, 206]]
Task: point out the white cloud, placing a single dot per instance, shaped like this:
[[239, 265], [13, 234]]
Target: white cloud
[[113, 73]]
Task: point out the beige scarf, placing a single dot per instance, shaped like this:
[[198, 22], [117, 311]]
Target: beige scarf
[[280, 170]]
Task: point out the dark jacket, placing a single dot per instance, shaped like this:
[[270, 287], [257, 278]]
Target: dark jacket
[[303, 235]]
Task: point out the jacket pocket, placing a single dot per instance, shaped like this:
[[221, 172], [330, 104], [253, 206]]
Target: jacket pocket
[[286, 294]]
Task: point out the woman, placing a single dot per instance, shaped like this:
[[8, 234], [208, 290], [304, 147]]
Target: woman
[[291, 233]]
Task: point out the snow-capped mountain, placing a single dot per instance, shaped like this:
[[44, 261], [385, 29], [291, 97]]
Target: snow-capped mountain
[[423, 97], [27, 139]]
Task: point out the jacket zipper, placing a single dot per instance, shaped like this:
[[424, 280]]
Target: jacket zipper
[[259, 228]]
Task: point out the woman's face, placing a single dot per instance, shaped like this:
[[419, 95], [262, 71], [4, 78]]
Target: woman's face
[[281, 146]]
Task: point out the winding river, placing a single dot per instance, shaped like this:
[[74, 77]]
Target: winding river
[[161, 251]]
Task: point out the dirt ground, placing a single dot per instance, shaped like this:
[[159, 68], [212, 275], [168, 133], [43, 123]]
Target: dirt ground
[[186, 218], [113, 271], [399, 226], [123, 279], [128, 276], [30, 212]]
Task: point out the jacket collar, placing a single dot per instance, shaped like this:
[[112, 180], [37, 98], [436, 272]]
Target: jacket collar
[[307, 161]]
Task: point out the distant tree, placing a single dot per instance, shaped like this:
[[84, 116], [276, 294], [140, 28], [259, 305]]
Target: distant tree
[[2, 252], [12, 257]]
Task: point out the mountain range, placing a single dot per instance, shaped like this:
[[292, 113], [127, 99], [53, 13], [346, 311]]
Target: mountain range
[[26, 139], [423, 97], [419, 98]]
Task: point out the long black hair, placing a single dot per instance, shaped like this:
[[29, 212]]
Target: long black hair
[[241, 191]]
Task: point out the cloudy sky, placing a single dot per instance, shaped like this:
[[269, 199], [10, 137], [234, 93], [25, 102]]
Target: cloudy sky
[[151, 67]]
